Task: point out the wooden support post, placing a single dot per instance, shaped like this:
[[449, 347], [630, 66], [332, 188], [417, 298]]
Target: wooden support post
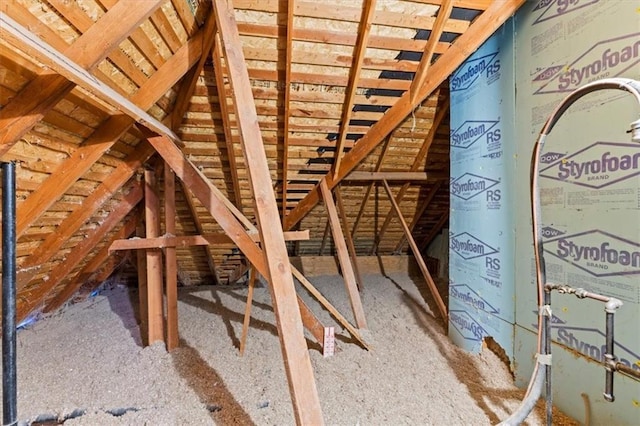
[[141, 265], [416, 253], [343, 256], [302, 386], [170, 257], [155, 313], [350, 246], [247, 310]]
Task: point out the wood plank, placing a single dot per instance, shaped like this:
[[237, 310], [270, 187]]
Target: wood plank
[[171, 260], [27, 303], [155, 314], [191, 79], [364, 30], [416, 254], [378, 176], [81, 160], [226, 121], [194, 240], [478, 32], [247, 311], [287, 105], [350, 246], [91, 267], [304, 395], [46, 90], [343, 257], [26, 41], [141, 266], [425, 62]]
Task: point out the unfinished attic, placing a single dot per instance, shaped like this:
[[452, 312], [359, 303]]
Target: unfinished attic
[[256, 212]]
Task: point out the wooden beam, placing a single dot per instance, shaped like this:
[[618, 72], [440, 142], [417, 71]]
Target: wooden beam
[[350, 246], [416, 253], [247, 310], [378, 176], [464, 46], [287, 104], [218, 72], [46, 90], [81, 160], [171, 260], [141, 266], [91, 267], [70, 225], [191, 78], [194, 240], [434, 37], [325, 237], [29, 43], [304, 395], [30, 299], [343, 257], [155, 311], [364, 30]]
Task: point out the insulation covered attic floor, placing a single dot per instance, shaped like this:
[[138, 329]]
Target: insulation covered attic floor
[[85, 363]]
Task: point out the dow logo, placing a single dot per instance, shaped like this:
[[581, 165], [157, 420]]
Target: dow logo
[[597, 166], [467, 295], [550, 157], [550, 232], [555, 8], [468, 328], [607, 58], [472, 69], [469, 185], [599, 253], [470, 131], [469, 247]]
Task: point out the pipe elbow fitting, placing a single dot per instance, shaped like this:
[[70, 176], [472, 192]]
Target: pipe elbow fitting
[[612, 305]]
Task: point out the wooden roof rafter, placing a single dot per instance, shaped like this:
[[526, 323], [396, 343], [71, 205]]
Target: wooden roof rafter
[[44, 92], [368, 13], [287, 104], [465, 45], [106, 135]]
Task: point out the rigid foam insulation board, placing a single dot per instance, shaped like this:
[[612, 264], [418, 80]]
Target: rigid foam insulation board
[[590, 193], [481, 235], [590, 196]]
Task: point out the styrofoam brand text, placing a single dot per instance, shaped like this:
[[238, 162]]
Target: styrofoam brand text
[[598, 253], [605, 59], [469, 72], [598, 165], [469, 247], [471, 130]]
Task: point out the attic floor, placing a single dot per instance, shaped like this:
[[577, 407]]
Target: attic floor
[[88, 357]]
